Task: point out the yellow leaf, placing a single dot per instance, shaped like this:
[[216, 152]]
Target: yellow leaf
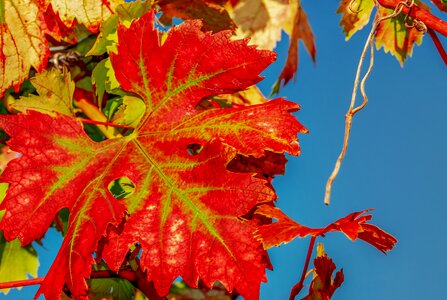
[[130, 112], [263, 20], [355, 15], [22, 41], [250, 96], [55, 94], [16, 262], [88, 12]]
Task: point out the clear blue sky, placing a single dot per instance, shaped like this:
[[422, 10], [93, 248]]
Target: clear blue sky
[[396, 163]]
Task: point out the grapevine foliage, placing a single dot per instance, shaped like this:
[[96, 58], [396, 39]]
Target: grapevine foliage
[[149, 147]]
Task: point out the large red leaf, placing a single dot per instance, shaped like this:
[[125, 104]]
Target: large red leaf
[[186, 208]]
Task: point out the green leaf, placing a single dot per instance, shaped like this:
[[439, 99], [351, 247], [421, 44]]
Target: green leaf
[[103, 77], [121, 188], [16, 262], [112, 106], [130, 112], [125, 13], [110, 288], [106, 39]]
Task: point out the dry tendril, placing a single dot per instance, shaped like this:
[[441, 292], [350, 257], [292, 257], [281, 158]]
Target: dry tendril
[[353, 109]]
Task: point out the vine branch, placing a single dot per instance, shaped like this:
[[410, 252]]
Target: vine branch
[[123, 274], [352, 108], [98, 117], [430, 20]]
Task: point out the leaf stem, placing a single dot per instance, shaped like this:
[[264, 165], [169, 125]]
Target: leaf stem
[[124, 274], [88, 121], [299, 286], [20, 283], [95, 114], [137, 278]]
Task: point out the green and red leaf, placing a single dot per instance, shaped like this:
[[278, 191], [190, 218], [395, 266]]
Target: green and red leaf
[[397, 38], [186, 207]]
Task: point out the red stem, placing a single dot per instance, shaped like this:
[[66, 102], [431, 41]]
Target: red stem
[[438, 44], [420, 14], [20, 283], [299, 286], [105, 123], [124, 274]]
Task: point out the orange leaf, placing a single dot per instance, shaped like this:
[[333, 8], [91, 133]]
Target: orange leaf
[[283, 231], [354, 226], [301, 30]]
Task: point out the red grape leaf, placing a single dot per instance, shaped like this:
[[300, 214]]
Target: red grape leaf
[[186, 208], [282, 231], [353, 226], [323, 285]]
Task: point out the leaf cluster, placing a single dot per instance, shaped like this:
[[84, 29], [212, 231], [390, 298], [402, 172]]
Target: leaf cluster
[[150, 148]]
